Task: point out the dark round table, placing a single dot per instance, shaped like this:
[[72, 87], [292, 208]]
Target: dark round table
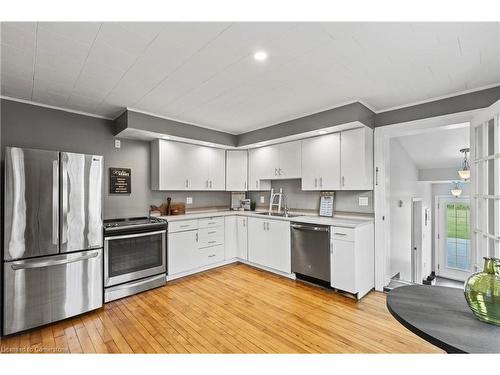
[[441, 316]]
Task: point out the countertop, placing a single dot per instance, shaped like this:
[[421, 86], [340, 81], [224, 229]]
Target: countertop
[[441, 316], [338, 220]]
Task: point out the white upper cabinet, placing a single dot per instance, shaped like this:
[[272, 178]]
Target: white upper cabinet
[[288, 162], [258, 169], [182, 166], [321, 162], [356, 157], [236, 170], [217, 169], [281, 161]]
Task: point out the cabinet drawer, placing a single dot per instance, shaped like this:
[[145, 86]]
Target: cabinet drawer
[[346, 234], [209, 255], [211, 222], [180, 226], [210, 236]]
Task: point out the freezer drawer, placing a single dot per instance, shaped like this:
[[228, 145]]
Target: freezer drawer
[[44, 290]]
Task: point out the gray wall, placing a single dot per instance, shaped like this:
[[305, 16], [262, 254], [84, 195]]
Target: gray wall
[[345, 201], [32, 126]]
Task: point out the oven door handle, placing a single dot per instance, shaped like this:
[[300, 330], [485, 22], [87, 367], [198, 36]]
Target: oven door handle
[[143, 234]]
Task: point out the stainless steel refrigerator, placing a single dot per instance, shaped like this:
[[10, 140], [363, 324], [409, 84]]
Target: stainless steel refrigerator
[[52, 250]]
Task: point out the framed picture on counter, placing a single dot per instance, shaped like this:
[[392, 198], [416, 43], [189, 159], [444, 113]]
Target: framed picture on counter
[[120, 180]]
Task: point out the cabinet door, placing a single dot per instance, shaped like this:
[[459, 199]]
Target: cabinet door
[[321, 163], [288, 160], [182, 251], [230, 237], [236, 170], [258, 169], [170, 169], [217, 169], [197, 164], [343, 266], [242, 237], [279, 249], [357, 159], [258, 244]]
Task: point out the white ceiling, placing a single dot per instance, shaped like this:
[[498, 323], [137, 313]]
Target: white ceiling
[[436, 149], [204, 73]]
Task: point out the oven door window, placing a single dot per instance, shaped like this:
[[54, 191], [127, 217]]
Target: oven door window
[[134, 256]]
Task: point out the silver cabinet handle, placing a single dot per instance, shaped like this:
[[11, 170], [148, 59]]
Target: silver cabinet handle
[[213, 232], [376, 176], [245, 186], [186, 183], [268, 225], [339, 234], [264, 223], [315, 182], [212, 241], [28, 264], [257, 184], [275, 171], [55, 202], [343, 181], [244, 222], [211, 255], [196, 236], [321, 182], [184, 226], [280, 171]]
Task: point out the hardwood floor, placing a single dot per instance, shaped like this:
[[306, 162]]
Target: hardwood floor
[[232, 309]]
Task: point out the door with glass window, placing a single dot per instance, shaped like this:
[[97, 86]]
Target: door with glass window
[[454, 238], [485, 177]]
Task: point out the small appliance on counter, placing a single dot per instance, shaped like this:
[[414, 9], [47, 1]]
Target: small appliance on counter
[[246, 204], [236, 200], [135, 256]]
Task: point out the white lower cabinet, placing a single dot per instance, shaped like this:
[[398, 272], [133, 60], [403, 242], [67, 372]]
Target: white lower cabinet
[[242, 237], [182, 251], [269, 243], [193, 244], [236, 236], [352, 259]]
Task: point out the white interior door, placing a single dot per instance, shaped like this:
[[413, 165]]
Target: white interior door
[[416, 240], [485, 186], [454, 238]]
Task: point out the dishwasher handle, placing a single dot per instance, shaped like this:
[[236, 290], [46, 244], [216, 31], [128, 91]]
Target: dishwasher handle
[[310, 228]]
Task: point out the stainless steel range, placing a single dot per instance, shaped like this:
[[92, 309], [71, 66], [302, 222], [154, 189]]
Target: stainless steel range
[[135, 256]]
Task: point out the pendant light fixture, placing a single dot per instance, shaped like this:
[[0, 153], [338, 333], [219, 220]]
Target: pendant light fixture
[[456, 190], [464, 171]]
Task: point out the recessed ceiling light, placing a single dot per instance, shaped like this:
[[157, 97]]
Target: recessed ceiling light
[[260, 56], [165, 137], [322, 132]]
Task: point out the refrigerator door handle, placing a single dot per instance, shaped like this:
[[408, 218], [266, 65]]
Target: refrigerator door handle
[[28, 264], [55, 202], [64, 200]]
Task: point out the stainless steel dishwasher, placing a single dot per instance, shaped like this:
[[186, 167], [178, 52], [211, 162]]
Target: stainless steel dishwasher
[[311, 251]]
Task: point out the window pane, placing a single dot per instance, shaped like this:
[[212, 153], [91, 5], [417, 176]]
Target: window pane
[[491, 216], [458, 236], [479, 142], [491, 137], [491, 176], [480, 177]]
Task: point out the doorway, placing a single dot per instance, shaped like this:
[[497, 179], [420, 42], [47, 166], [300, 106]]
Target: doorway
[[454, 255], [416, 240]]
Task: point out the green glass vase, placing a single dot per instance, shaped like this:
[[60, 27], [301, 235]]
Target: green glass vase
[[482, 292]]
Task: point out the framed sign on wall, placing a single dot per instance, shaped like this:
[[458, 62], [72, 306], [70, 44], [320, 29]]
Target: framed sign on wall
[[119, 180]]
